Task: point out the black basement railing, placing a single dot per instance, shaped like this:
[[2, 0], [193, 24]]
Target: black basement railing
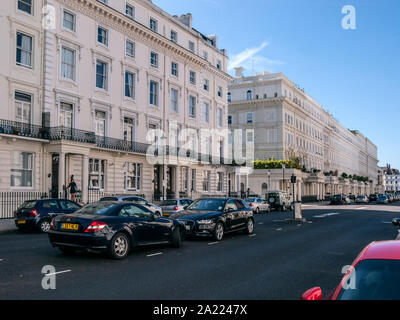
[[22, 129]]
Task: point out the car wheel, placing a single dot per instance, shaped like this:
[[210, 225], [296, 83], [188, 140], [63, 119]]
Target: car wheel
[[44, 226], [219, 232], [176, 238], [250, 226], [119, 247]]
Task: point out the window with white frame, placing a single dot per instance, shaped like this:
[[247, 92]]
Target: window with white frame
[[68, 63], [191, 46], [69, 21], [22, 170], [206, 112], [174, 69], [174, 100], [153, 93], [23, 107], [129, 129], [192, 77], [174, 36], [219, 92], [154, 59], [133, 176], [229, 97], [154, 25], [66, 115], [192, 106], [101, 75], [97, 168], [24, 50], [206, 180], [130, 85], [100, 123], [220, 181], [102, 36], [130, 49], [229, 119], [250, 117], [206, 84], [26, 6], [130, 11], [219, 117]]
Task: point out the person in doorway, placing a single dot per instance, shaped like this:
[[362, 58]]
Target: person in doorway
[[73, 189]]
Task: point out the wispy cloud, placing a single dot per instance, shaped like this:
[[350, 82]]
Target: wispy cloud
[[251, 60]]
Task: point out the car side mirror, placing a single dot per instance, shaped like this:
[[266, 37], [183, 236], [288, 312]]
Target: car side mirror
[[156, 216], [313, 294]]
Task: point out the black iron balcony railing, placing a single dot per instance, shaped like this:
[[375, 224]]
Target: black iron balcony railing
[[82, 136], [22, 129], [64, 133], [121, 145]]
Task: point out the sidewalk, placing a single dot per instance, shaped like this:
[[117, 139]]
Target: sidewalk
[[7, 225]]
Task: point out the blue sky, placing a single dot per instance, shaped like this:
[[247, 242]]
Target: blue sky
[[352, 73]]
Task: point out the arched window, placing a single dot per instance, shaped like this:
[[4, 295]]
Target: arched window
[[249, 95], [229, 97]]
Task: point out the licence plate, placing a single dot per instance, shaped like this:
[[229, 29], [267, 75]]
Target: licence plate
[[22, 222], [187, 228], [70, 226]]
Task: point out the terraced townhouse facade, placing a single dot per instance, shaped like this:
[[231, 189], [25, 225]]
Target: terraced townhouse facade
[[85, 82]]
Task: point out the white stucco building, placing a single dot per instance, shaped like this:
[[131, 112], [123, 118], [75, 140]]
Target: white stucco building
[[82, 94], [288, 123]]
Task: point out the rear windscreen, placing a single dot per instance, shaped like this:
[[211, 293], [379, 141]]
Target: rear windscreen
[[109, 199], [28, 205]]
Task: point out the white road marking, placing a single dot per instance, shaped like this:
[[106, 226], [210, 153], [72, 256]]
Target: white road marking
[[212, 243], [54, 273], [155, 254], [252, 235], [280, 229], [326, 215], [362, 208], [1, 260], [261, 223], [385, 222], [299, 225]]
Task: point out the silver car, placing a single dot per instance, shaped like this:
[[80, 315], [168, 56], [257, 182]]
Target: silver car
[[362, 199], [134, 199], [258, 205], [173, 206]]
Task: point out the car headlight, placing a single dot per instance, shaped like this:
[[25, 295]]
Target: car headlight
[[205, 222]]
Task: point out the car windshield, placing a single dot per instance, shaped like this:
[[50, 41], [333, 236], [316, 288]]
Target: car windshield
[[28, 205], [373, 280], [99, 209], [337, 197], [208, 204], [167, 203]]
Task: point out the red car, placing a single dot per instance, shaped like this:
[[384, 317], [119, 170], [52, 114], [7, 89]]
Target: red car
[[374, 275]]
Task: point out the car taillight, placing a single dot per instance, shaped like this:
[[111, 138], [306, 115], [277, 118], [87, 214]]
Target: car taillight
[[52, 224], [33, 213], [176, 208], [95, 227], [251, 205]]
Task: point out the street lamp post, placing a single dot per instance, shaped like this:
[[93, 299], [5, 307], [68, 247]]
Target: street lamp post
[[269, 180], [283, 182]]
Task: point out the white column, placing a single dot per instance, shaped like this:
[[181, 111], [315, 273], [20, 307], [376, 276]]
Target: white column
[[85, 178], [238, 185], [61, 174], [177, 181]]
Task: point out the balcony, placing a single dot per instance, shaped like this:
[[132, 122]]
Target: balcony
[[69, 134]]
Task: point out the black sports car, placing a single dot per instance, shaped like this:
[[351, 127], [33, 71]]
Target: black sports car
[[113, 227], [215, 217]]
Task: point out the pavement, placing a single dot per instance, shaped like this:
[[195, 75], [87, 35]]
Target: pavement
[[279, 262], [7, 225]]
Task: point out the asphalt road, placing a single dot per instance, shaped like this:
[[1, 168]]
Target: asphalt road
[[280, 261]]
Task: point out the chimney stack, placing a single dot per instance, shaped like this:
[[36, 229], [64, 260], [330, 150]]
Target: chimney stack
[[239, 72]]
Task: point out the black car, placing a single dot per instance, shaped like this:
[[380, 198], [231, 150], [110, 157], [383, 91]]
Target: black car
[[373, 197], [37, 214], [215, 217], [114, 228]]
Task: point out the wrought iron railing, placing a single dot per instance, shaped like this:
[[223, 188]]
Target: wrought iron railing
[[22, 129], [64, 133], [122, 145]]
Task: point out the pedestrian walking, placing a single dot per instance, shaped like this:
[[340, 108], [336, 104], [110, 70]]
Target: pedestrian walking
[[73, 189]]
